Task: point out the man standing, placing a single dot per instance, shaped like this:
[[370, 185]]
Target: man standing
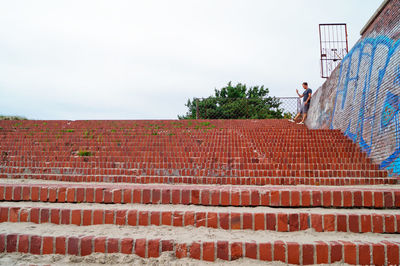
[[306, 103]]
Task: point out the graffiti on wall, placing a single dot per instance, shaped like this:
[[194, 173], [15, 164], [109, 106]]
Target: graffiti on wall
[[391, 113], [367, 99]]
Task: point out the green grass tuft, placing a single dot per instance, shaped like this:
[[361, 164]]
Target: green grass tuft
[[84, 153]]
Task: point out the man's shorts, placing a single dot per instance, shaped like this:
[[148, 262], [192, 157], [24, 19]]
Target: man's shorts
[[304, 108]]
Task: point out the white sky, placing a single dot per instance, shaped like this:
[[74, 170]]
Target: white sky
[[144, 59]]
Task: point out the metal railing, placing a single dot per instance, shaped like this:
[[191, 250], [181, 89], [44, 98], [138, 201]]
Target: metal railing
[[290, 105]]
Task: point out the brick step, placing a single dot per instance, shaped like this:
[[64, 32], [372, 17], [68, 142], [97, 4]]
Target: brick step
[[181, 168], [178, 157], [72, 157], [331, 181], [242, 125], [182, 152], [281, 171], [202, 140], [233, 135], [226, 218], [211, 146], [133, 125], [168, 137], [35, 162], [173, 137], [275, 152], [223, 129], [180, 141], [205, 176], [177, 136], [200, 243], [385, 197]]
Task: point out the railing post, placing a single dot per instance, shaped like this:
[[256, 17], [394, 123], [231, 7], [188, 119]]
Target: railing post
[[298, 104], [197, 108], [247, 108]]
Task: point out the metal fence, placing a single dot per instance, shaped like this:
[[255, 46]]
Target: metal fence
[[242, 108], [290, 105]]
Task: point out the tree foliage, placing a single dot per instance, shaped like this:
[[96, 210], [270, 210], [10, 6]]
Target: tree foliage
[[12, 117], [235, 102]]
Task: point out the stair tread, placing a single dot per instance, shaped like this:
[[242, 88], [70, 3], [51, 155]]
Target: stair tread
[[189, 234]]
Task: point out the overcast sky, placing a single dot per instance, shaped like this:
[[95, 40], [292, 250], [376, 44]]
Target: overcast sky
[[144, 59]]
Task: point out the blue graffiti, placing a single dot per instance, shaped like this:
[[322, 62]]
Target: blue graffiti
[[390, 112], [390, 109], [397, 77], [369, 70]]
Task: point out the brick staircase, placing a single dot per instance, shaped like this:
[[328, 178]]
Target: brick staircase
[[208, 190]]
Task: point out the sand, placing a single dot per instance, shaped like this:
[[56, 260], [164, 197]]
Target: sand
[[167, 258], [188, 234]]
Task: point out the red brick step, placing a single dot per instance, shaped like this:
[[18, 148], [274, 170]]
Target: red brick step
[[272, 219], [211, 195], [278, 247]]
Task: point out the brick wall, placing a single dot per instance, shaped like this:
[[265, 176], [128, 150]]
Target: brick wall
[[362, 95]]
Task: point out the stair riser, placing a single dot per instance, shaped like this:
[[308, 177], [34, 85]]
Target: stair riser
[[213, 180], [199, 173], [264, 196], [281, 222], [353, 253], [186, 167]]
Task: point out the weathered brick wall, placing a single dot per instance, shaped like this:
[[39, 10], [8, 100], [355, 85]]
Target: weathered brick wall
[[362, 96]]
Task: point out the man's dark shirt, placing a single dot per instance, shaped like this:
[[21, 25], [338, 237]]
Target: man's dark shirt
[[305, 95]]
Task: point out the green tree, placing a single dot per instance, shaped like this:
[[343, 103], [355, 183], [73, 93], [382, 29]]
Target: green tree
[[12, 117], [235, 102]]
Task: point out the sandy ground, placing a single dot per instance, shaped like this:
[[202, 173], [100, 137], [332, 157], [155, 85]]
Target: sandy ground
[[188, 234], [195, 208], [167, 258]]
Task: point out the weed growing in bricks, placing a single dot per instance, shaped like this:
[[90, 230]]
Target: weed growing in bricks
[[155, 126], [84, 153], [18, 124], [204, 126], [87, 134]]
